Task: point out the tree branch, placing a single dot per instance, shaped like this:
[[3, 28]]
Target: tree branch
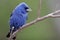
[[39, 8], [37, 20]]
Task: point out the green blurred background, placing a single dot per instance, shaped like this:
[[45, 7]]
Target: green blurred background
[[40, 31]]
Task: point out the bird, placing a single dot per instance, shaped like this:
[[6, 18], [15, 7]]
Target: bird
[[18, 18]]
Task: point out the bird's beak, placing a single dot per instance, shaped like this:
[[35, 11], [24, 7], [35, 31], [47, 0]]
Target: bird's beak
[[29, 9]]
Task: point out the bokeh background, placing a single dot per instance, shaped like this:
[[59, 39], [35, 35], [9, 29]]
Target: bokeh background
[[42, 30]]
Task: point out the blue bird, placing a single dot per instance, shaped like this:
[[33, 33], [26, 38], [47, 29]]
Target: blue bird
[[18, 17]]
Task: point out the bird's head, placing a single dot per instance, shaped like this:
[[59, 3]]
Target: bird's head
[[24, 6]]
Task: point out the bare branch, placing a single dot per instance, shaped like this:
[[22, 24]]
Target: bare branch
[[39, 8], [37, 20]]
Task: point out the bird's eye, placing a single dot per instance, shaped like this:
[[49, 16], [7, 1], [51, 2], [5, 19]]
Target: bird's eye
[[26, 8]]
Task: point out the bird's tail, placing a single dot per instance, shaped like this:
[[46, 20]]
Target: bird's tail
[[10, 33]]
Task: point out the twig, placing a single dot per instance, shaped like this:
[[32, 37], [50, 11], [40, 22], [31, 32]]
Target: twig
[[39, 8], [37, 20]]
